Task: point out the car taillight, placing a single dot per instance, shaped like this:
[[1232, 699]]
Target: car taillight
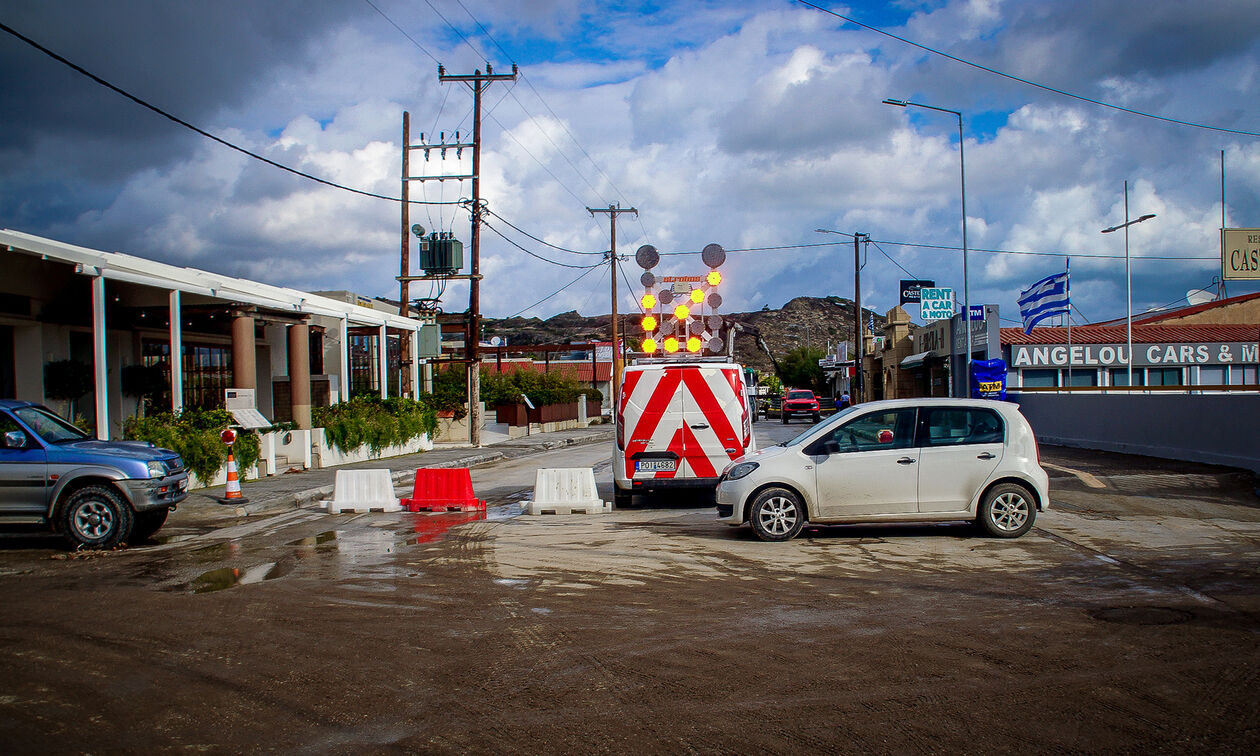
[[621, 433]]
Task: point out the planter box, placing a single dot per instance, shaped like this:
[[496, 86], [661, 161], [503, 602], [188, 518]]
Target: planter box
[[323, 455]]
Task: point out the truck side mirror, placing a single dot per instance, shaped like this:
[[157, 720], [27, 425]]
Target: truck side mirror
[[14, 440]]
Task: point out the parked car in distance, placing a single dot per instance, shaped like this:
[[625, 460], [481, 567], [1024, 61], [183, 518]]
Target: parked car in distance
[[97, 494], [900, 460], [800, 402]]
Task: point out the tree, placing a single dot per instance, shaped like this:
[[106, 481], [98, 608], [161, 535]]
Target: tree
[[800, 369]]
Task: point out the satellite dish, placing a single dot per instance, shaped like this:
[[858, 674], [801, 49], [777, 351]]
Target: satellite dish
[[417, 229], [1199, 296]]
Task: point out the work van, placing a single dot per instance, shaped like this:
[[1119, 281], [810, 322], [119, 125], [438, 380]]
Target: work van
[[678, 425]]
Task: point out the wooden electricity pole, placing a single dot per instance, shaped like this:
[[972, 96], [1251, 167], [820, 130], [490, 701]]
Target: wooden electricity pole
[[478, 83], [612, 211]]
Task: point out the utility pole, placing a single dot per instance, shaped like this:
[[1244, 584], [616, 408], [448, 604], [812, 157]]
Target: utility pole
[[859, 337], [612, 211], [478, 83], [404, 343]]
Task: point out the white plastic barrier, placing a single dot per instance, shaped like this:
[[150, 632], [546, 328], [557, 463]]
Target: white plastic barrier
[[363, 491], [565, 490]]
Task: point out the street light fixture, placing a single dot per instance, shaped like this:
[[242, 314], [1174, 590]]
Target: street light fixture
[[1128, 278], [962, 166]]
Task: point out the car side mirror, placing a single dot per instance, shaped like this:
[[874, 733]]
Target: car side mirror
[[14, 440]]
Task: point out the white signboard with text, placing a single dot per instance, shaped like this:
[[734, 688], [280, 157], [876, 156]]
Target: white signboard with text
[[936, 304]]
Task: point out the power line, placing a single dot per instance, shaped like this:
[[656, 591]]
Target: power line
[[535, 238], [584, 274], [400, 29], [1042, 254], [894, 262], [1028, 82], [456, 30], [535, 254], [202, 132]]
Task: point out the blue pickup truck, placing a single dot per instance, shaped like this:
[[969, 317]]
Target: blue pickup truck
[[98, 494]]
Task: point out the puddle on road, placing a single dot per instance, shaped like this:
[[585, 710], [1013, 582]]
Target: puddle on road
[[226, 577], [333, 554]]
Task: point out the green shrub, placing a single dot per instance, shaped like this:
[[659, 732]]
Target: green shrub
[[194, 435], [374, 422], [541, 388]]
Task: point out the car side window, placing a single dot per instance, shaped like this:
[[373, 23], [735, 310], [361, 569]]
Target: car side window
[[890, 429], [953, 426]]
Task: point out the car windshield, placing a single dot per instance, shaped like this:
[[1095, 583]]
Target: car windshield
[[51, 428], [813, 431], [800, 395]]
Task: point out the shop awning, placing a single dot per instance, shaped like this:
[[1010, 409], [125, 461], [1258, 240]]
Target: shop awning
[[914, 360]]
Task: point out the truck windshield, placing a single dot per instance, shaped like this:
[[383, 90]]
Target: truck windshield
[[48, 426], [800, 395]]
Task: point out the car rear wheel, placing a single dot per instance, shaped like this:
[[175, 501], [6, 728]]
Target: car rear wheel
[[96, 517], [148, 523], [1007, 511], [777, 515]]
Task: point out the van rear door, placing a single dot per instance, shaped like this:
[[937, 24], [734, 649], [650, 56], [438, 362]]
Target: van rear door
[[651, 420], [714, 419]]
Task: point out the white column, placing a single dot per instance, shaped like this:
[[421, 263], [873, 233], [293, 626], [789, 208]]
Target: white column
[[415, 363], [345, 359], [382, 366], [99, 358], [177, 355]]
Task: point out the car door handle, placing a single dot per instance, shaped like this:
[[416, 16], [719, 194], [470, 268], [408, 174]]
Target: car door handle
[[701, 426], [905, 461], [986, 455]]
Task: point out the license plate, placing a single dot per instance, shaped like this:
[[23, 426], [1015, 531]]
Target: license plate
[[183, 484], [655, 465]]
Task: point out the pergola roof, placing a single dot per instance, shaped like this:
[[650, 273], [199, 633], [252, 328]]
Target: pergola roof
[[138, 270]]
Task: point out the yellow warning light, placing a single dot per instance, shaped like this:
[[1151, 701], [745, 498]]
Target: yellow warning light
[[671, 345], [682, 312], [693, 344], [649, 323], [697, 295], [714, 278], [648, 301], [649, 346]]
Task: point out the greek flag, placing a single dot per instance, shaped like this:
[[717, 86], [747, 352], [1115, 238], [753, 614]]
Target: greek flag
[[1046, 298]]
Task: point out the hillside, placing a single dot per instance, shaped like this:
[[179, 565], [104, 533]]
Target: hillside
[[811, 321]]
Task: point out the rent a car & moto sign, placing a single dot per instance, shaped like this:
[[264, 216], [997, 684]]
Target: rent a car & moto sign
[[1146, 355]]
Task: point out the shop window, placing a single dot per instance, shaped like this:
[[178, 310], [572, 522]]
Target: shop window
[[1244, 375], [1213, 375], [1039, 378], [1120, 377], [207, 372], [1163, 377], [1083, 377]]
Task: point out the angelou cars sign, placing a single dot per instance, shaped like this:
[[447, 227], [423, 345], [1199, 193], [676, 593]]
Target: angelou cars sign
[[1144, 355]]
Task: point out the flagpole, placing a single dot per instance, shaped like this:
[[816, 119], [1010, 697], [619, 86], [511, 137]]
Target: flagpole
[[1068, 314]]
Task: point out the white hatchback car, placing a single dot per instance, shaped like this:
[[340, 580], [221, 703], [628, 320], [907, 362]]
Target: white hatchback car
[[900, 460]]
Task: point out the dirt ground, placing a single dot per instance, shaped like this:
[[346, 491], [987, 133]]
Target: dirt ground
[[1126, 622]]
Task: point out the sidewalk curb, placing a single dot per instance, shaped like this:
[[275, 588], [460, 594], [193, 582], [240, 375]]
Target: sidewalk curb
[[309, 498]]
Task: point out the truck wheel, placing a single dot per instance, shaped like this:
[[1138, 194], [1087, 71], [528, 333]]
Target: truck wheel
[[777, 515], [96, 517], [785, 417], [148, 523], [817, 417]]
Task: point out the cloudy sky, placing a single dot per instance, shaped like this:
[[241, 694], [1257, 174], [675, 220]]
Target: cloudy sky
[[749, 123]]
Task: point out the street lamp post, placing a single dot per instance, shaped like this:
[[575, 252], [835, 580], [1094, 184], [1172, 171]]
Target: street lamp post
[[962, 168], [1128, 278]]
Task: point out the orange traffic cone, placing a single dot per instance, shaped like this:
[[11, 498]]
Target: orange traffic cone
[[233, 494]]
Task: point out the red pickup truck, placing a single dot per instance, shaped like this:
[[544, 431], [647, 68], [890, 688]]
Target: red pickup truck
[[800, 402]]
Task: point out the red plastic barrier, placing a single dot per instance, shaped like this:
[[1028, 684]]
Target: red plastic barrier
[[443, 491]]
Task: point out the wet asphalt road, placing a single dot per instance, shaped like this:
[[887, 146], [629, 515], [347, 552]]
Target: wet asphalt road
[[1125, 621]]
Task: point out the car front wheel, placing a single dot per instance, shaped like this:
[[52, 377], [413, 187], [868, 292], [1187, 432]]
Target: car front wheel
[[96, 517], [1007, 511], [777, 515]]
